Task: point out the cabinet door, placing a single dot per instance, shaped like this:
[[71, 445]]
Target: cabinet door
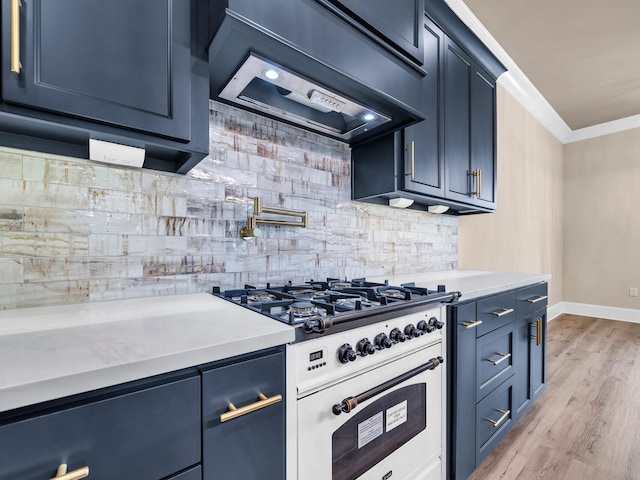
[[143, 435], [538, 359], [458, 71], [463, 384], [118, 62], [521, 388], [399, 22], [250, 446], [483, 137], [423, 170]]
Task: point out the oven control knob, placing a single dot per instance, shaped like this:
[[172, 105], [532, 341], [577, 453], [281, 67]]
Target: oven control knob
[[433, 321], [347, 354], [397, 336], [365, 347], [425, 327], [412, 332], [382, 341]]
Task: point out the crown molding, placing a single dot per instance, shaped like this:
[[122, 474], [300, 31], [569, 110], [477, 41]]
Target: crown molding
[[524, 91]]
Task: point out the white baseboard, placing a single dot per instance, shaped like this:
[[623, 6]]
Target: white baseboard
[[598, 311]]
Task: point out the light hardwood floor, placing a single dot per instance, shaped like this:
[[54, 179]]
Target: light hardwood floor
[[586, 425]]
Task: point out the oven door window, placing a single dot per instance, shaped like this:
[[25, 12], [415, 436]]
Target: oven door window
[[378, 430]]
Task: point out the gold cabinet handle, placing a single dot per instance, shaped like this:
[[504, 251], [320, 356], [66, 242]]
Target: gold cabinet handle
[[233, 412], [503, 356], [503, 312], [538, 336], [479, 183], [496, 423], [15, 37], [476, 174], [538, 299], [61, 473], [413, 160], [469, 325]]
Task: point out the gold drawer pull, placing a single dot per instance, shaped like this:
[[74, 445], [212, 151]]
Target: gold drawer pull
[[500, 360], [539, 299], [504, 311], [496, 423], [61, 473], [234, 412], [15, 36], [469, 325]]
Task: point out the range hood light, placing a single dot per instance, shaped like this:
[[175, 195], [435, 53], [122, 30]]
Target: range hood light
[[271, 74], [367, 117]]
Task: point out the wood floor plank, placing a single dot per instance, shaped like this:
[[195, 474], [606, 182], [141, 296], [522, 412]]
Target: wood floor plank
[[586, 425]]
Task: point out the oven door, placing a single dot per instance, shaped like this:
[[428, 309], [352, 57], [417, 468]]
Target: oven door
[[396, 434]]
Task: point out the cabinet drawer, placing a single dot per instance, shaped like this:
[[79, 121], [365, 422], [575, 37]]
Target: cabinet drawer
[[495, 360], [249, 446], [146, 435], [493, 419], [532, 298], [495, 311]]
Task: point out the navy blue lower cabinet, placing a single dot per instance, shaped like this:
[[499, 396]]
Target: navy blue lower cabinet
[[462, 326], [497, 369], [538, 353], [146, 434], [243, 424], [522, 390]]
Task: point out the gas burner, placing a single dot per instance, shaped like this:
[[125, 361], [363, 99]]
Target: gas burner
[[393, 293], [303, 309], [260, 297], [340, 285], [351, 302]]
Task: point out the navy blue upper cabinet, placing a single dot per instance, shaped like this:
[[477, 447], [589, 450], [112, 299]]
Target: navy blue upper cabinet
[[398, 22], [423, 163], [470, 129], [118, 66], [122, 62]]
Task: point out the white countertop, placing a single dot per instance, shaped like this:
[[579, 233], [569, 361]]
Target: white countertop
[[472, 283], [53, 352]]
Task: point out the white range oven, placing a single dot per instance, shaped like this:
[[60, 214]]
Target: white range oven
[[369, 401], [365, 377]]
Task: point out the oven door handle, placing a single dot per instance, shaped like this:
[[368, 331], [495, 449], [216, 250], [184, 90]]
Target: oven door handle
[[350, 403]]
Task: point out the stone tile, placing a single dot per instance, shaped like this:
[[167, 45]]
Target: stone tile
[[80, 268], [80, 221], [11, 270], [24, 193], [80, 173], [182, 265], [10, 165], [43, 294], [114, 289], [116, 201], [135, 245], [39, 244], [11, 219]]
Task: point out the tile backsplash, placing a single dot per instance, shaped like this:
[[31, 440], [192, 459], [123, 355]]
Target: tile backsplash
[[76, 231]]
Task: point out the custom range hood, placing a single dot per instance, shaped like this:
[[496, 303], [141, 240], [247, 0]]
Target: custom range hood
[[306, 66], [263, 85]]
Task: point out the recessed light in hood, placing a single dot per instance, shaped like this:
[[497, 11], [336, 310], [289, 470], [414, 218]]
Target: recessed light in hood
[[262, 85]]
